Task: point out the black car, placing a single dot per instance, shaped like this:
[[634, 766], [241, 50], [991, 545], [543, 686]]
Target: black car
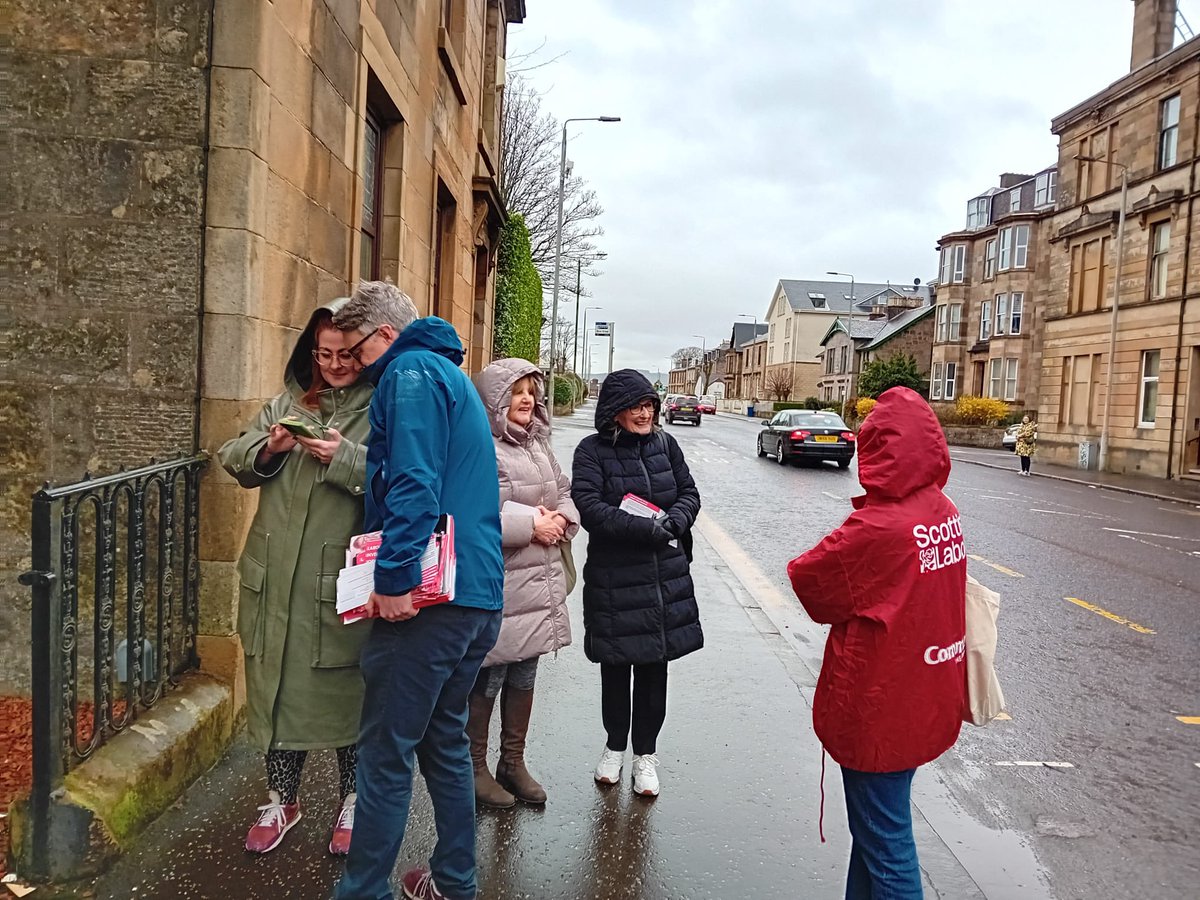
[[683, 408], [803, 434]]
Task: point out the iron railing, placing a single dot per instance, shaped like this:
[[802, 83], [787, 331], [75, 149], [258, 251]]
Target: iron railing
[[109, 638]]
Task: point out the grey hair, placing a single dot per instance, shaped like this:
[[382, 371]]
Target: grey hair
[[376, 303]]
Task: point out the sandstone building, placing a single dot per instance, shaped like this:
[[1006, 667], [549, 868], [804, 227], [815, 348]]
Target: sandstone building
[[188, 179]]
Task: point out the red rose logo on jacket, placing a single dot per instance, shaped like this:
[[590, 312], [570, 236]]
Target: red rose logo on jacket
[[940, 545]]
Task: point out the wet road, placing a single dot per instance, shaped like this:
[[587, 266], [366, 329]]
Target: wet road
[[1099, 683], [740, 766]]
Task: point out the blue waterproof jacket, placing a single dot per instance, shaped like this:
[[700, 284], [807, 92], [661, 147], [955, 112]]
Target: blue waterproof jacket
[[431, 453]]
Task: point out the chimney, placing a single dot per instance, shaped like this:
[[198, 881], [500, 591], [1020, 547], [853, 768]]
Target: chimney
[[1153, 30]]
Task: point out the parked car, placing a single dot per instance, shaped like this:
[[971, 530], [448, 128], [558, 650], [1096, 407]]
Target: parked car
[[805, 434], [1009, 441], [708, 405], [683, 408]]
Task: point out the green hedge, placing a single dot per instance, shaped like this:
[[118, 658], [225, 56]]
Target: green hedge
[[564, 390], [518, 321]]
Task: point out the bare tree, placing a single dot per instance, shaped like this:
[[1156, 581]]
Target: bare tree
[[564, 349], [686, 357], [779, 383], [529, 181]]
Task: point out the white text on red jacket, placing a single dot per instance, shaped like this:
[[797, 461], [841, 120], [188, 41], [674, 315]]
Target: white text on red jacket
[[940, 545]]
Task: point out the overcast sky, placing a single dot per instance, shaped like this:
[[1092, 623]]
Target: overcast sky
[[768, 139]]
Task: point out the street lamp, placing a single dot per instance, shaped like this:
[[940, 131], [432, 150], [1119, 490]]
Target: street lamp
[[1112, 328], [587, 362], [850, 329], [578, 290], [562, 182]]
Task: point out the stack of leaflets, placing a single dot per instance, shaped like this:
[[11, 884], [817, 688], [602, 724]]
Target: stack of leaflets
[[439, 566], [644, 509]]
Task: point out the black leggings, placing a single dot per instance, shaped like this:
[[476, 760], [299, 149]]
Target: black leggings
[[284, 768], [648, 710], [1024, 463]]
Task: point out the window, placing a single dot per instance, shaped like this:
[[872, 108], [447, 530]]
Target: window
[[943, 315], [372, 174], [787, 327], [1148, 392], [954, 264], [843, 359], [1005, 248], [1097, 175], [951, 375], [1020, 246], [1016, 306], [1010, 379], [1168, 133], [995, 377], [1001, 313], [828, 361], [1160, 243], [443, 253], [935, 382], [985, 320], [1014, 200], [989, 259], [1089, 275], [978, 212], [956, 321], [1045, 189]]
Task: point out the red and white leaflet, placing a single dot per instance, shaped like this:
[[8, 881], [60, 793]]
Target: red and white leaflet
[[636, 506], [357, 580], [363, 548]]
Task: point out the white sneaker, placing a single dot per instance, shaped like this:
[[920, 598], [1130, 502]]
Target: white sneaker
[[608, 770], [645, 775]]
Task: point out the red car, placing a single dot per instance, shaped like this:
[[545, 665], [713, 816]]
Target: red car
[[707, 405]]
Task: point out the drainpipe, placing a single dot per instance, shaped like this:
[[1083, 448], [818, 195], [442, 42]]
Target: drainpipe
[[205, 148], [1183, 299]]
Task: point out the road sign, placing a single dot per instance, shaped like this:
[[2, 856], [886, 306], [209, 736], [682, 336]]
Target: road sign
[[603, 329]]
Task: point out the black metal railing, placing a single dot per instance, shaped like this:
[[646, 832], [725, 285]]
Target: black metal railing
[[115, 612]]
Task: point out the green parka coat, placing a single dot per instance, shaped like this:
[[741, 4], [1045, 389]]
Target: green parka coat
[[303, 686]]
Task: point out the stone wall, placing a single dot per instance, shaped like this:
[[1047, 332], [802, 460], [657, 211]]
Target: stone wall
[[102, 194]]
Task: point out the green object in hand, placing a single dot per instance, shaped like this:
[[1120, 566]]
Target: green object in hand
[[300, 428]]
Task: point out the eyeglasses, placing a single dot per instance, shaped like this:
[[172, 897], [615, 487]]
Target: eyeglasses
[[645, 406], [326, 357], [357, 348]]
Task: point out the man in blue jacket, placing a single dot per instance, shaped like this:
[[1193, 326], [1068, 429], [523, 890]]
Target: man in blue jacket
[[430, 453]]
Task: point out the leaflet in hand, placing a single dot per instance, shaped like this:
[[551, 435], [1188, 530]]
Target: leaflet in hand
[[644, 509], [439, 566]]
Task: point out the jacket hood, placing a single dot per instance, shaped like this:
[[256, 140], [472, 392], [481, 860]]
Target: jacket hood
[[298, 374], [901, 447], [430, 333], [495, 383], [622, 390]]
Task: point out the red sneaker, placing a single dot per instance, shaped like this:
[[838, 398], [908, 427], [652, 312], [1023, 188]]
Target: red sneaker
[[275, 821], [418, 885], [339, 844]]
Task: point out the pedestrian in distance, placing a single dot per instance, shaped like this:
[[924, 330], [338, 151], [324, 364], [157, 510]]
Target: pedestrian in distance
[[303, 686], [537, 518], [430, 454], [1026, 442], [639, 604], [892, 692]]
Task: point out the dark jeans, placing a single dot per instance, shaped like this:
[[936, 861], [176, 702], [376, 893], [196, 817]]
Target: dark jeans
[[1024, 463], [883, 855], [648, 710], [418, 674]]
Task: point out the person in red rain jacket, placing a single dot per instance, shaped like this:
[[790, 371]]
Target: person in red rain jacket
[[892, 583]]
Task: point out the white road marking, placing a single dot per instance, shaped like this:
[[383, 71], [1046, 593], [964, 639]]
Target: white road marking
[[985, 497], [1130, 537], [832, 496], [1055, 512], [1037, 764], [1170, 537]]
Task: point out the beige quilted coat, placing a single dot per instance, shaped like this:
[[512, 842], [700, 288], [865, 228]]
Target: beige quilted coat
[[535, 595]]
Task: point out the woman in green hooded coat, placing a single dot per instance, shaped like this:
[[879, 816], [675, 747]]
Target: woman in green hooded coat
[[303, 686]]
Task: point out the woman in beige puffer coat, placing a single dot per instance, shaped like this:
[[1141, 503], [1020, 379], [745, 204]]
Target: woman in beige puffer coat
[[536, 517]]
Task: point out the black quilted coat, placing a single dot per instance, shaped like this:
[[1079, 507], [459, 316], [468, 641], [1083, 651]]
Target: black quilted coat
[[639, 605]]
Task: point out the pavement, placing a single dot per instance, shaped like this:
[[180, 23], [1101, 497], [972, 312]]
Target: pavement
[[737, 817]]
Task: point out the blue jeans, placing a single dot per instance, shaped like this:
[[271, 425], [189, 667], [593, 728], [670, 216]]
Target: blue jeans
[[418, 674], [883, 855]]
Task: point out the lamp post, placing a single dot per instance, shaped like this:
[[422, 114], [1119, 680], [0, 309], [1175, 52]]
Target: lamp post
[[587, 354], [850, 329], [578, 275], [562, 182], [1116, 306]]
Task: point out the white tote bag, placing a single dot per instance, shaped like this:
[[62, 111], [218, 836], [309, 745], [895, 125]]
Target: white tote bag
[[985, 699]]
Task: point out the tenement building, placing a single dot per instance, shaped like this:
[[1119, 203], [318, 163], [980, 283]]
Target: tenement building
[[1144, 396], [990, 294], [188, 180]]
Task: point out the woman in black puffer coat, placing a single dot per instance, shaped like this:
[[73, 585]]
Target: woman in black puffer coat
[[639, 605]]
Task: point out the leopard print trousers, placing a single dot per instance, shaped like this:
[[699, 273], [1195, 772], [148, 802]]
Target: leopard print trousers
[[285, 766]]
